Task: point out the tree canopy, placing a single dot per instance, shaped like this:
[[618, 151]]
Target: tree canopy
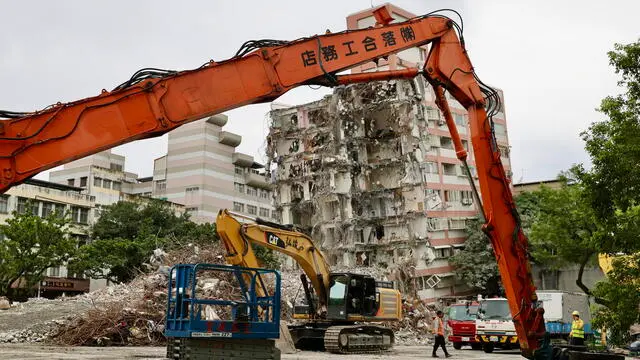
[[30, 246], [126, 234], [476, 264]]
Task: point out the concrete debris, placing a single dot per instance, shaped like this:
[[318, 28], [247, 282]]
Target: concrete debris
[[348, 169], [285, 343], [4, 303]]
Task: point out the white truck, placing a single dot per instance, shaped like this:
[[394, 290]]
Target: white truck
[[494, 325]]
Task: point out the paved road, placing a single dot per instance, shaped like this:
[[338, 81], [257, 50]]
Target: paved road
[[42, 352]]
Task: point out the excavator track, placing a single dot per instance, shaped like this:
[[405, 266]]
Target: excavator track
[[358, 339]]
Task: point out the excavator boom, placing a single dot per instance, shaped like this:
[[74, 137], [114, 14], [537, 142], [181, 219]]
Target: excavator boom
[[237, 239], [154, 102]]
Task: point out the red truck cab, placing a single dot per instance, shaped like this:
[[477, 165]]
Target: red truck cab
[[461, 321]]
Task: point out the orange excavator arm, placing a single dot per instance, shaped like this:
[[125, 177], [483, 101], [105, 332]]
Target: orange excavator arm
[[154, 102]]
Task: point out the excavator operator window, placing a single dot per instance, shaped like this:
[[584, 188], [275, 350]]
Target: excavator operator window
[[371, 298], [337, 297], [355, 295]]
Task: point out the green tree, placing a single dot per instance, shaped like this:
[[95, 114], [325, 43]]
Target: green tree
[[621, 290], [476, 264], [126, 234], [565, 230], [613, 181], [268, 258], [612, 185], [32, 245]]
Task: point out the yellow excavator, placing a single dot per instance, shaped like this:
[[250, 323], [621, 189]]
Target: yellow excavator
[[340, 307]]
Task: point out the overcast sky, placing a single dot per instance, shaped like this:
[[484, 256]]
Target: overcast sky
[[549, 57]]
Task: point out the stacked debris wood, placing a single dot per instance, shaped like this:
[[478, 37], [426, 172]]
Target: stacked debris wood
[[134, 313]]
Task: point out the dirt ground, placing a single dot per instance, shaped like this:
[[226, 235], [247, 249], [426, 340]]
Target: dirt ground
[[24, 316], [40, 352]]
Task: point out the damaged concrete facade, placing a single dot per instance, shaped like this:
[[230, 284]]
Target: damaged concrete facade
[[348, 170], [370, 172]]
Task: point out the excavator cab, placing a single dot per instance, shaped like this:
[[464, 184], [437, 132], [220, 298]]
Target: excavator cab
[[351, 295]]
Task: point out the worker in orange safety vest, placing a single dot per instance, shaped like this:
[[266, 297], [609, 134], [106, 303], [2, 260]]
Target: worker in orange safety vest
[[438, 330]]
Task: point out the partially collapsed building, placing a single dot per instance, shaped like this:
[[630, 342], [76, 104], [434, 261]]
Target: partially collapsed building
[[370, 172], [356, 171]]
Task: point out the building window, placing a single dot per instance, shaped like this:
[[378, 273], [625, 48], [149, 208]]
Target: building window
[[117, 185], [191, 190], [97, 181], [499, 129], [274, 215], [238, 187], [80, 215], [252, 191], [115, 167], [504, 151], [264, 194], [443, 253], [71, 182], [161, 186], [264, 212], [449, 169], [459, 119], [35, 208], [4, 204], [54, 271], [83, 181], [252, 210], [22, 205], [238, 206], [239, 170], [431, 167], [59, 210], [106, 183], [466, 197], [192, 210], [47, 209], [446, 142], [457, 224]]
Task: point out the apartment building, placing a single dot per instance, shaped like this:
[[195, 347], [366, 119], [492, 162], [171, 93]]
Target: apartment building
[[45, 198], [203, 171], [101, 175], [371, 171], [449, 201]]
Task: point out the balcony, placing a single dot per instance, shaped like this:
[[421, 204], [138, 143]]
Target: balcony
[[256, 180], [229, 139], [243, 160]]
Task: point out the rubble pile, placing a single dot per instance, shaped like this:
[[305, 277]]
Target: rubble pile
[[34, 334], [133, 313], [113, 324], [415, 326]]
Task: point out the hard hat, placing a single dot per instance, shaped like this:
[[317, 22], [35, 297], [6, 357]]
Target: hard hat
[[575, 313]]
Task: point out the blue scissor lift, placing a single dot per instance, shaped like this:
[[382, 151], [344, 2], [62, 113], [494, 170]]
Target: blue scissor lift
[[248, 334]]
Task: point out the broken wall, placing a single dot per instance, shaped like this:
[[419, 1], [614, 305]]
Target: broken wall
[[348, 171]]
